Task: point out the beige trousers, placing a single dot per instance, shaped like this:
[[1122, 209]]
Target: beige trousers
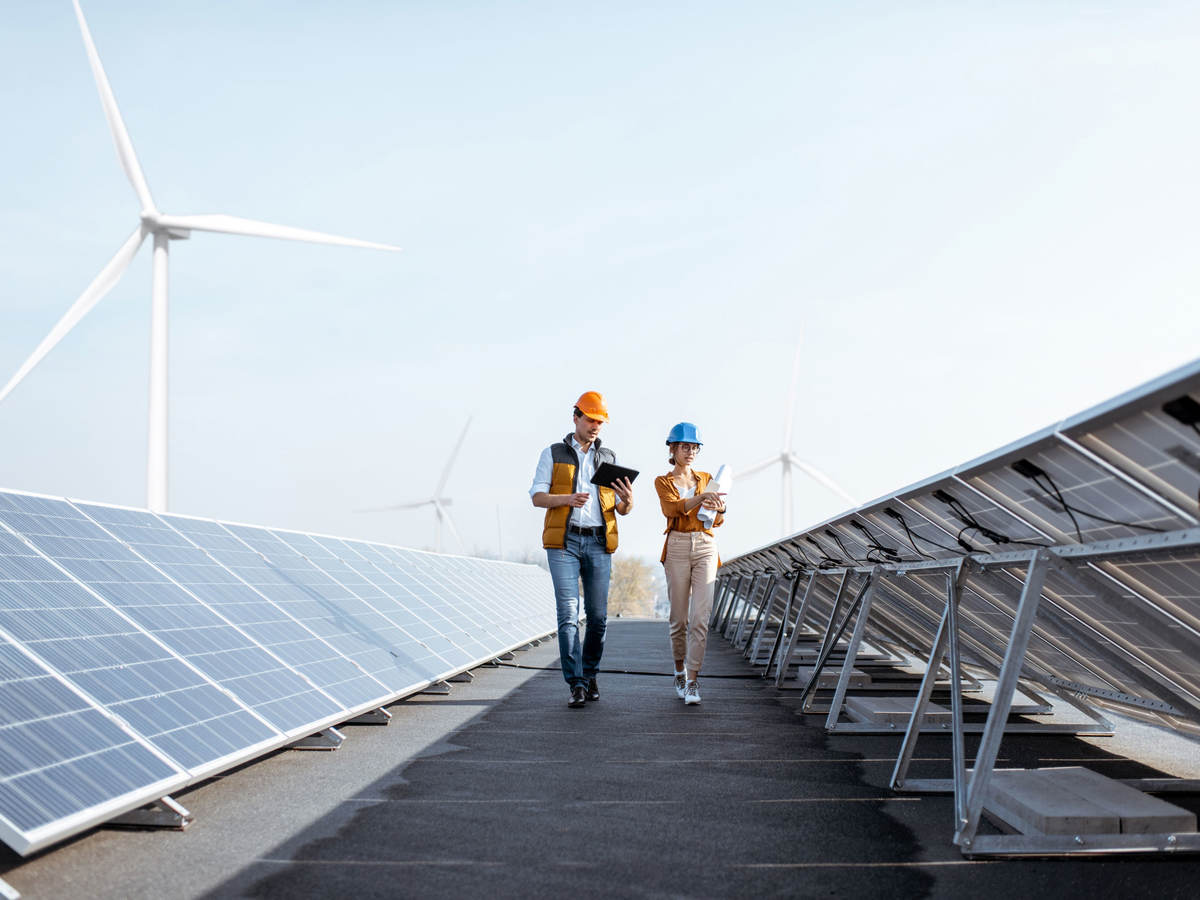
[[691, 570]]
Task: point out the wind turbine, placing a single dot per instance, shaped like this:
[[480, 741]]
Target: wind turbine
[[787, 459], [164, 229], [438, 501]]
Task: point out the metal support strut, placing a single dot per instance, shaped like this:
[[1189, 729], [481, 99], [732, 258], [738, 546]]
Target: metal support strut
[[1014, 656], [162, 813], [329, 739]]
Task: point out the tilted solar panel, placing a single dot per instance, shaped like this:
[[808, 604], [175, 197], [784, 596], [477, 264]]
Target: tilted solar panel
[[281, 617], [1124, 622], [374, 609], [188, 619], [62, 757], [446, 612], [401, 605], [87, 630], [141, 652], [473, 598], [331, 610]]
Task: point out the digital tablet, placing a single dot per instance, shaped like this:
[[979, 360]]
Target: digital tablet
[[608, 472]]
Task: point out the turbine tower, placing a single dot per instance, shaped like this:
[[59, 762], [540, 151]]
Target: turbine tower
[[787, 459], [438, 501], [164, 229]]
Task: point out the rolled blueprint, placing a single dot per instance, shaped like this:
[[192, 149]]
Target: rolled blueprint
[[721, 483]]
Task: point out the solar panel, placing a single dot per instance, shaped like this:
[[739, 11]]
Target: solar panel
[[229, 587], [186, 616], [1078, 556], [410, 610], [62, 757], [440, 607], [140, 653], [473, 600], [1153, 437], [412, 655], [513, 588], [84, 628]]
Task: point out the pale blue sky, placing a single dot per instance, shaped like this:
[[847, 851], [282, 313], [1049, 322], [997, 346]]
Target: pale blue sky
[[982, 218]]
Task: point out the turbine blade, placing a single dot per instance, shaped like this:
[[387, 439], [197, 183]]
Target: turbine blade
[[125, 152], [101, 285], [445, 517], [791, 401], [450, 462], [751, 470], [223, 224], [821, 478]]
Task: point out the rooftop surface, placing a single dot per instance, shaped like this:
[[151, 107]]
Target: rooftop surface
[[500, 789]]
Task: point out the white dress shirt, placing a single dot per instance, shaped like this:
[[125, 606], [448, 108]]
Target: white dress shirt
[[588, 515]]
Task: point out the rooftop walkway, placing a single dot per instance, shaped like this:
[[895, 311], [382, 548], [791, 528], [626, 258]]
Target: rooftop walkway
[[500, 790]]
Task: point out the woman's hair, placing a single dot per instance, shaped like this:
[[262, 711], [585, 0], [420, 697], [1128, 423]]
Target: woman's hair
[[671, 451]]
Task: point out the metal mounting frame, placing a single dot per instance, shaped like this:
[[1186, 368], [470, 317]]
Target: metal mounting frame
[[970, 786], [378, 716], [329, 739], [165, 812]]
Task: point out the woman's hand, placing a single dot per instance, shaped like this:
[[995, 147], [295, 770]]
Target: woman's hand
[[711, 500]]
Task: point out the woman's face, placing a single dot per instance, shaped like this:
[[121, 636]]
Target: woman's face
[[685, 454]]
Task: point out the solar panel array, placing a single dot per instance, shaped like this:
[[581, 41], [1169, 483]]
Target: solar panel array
[[140, 653], [1104, 505], [1119, 619]]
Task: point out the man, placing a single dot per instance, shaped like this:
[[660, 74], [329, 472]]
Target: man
[[580, 536]]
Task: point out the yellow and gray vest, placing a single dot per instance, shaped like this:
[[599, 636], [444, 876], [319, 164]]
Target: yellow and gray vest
[[564, 479]]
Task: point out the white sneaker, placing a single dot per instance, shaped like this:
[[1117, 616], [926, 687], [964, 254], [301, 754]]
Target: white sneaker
[[691, 693], [680, 684]]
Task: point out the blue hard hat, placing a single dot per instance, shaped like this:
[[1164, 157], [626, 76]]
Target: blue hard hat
[[684, 433]]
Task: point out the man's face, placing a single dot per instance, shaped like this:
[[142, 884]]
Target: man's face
[[587, 429]]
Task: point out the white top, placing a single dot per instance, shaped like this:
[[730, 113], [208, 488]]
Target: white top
[[684, 495], [588, 515]]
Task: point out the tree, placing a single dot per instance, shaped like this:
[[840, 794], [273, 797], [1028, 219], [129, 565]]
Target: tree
[[631, 591]]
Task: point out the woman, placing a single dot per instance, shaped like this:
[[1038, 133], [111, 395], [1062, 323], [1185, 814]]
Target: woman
[[689, 555]]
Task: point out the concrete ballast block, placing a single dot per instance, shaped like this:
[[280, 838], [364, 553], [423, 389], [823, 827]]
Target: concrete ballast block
[[829, 677], [1075, 800], [893, 711]]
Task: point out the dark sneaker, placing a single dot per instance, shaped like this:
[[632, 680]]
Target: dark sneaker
[[593, 689], [578, 697]]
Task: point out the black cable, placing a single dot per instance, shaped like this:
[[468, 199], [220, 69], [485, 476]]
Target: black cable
[[841, 546], [971, 523], [1091, 515], [890, 554], [807, 562], [827, 561], [1062, 501], [1034, 472], [899, 518]]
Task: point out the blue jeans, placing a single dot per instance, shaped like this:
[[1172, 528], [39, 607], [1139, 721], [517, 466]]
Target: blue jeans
[[583, 556]]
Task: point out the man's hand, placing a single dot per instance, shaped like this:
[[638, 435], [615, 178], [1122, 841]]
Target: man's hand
[[543, 500], [623, 489]]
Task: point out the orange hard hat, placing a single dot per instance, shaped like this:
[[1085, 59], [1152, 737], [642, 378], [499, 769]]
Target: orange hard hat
[[591, 403]]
